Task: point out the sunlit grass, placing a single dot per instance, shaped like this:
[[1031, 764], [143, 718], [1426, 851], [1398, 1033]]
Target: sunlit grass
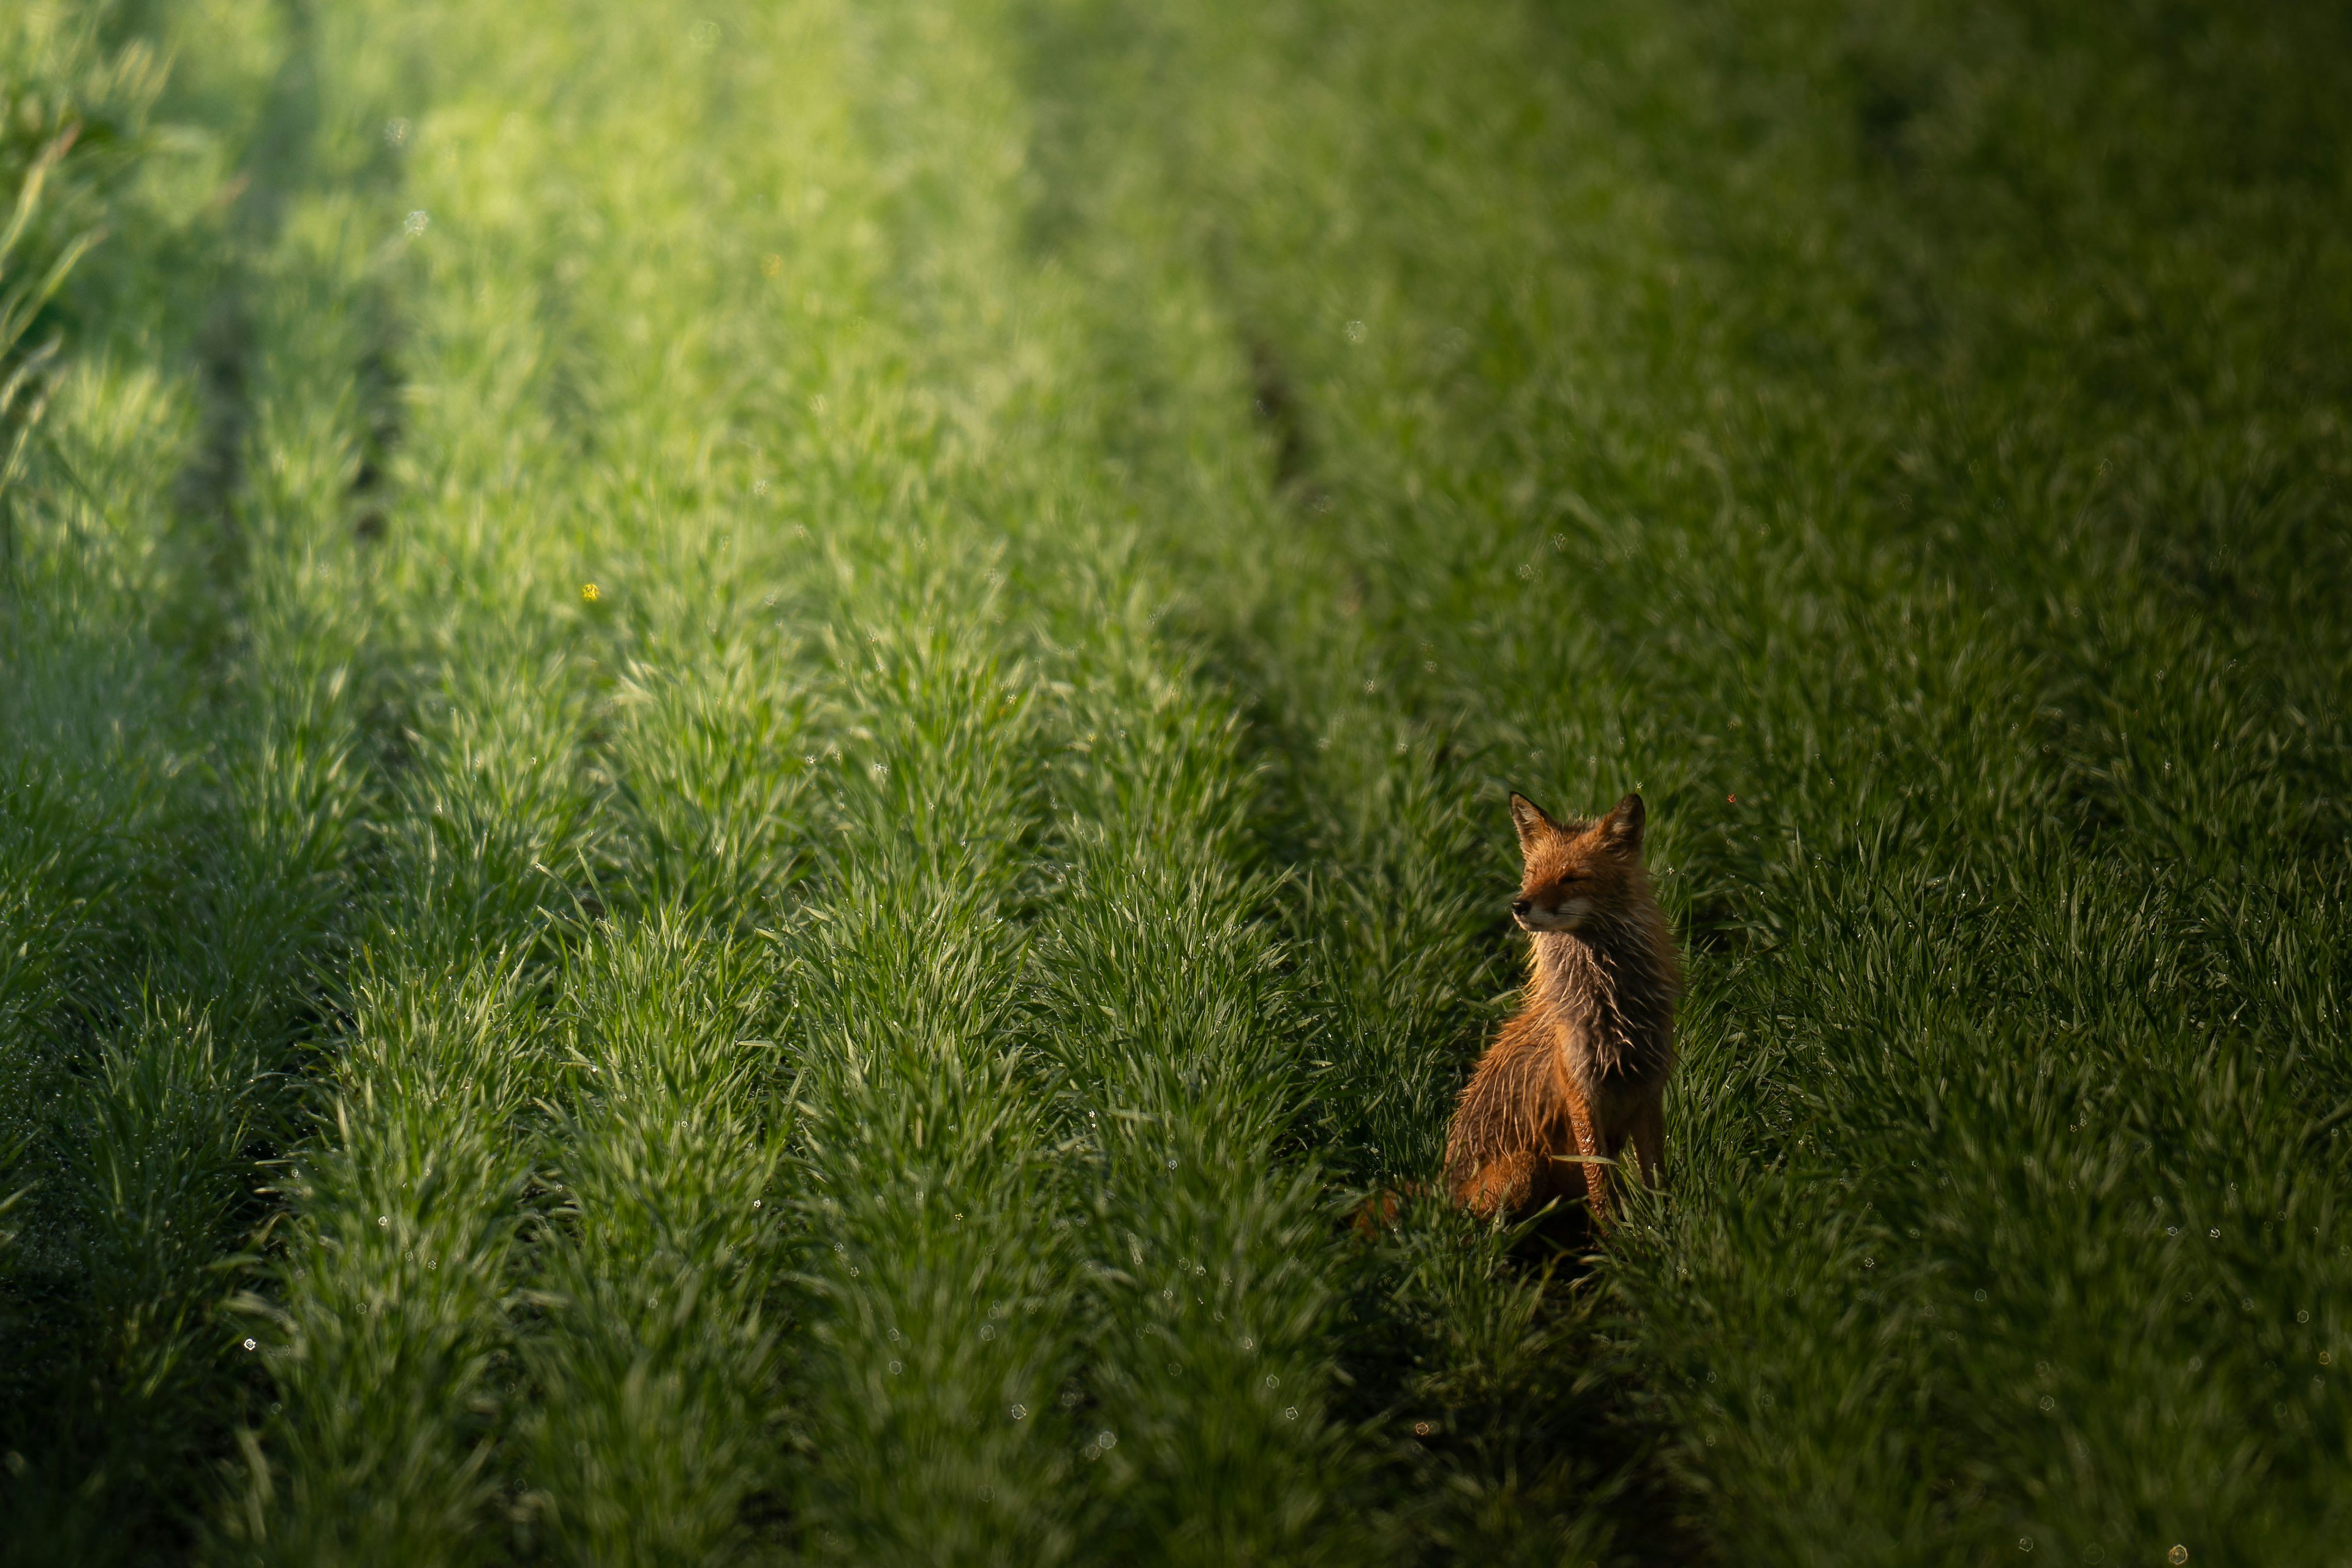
[[858, 1038]]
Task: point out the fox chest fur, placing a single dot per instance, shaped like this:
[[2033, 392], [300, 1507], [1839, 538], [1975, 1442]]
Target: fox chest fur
[[1606, 1009]]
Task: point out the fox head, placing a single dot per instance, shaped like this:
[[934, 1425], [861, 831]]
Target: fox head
[[1577, 873]]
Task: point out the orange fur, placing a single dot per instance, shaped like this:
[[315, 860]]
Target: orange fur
[[1580, 1072]]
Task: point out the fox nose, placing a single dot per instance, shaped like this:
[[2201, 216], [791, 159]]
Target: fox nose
[[1519, 906]]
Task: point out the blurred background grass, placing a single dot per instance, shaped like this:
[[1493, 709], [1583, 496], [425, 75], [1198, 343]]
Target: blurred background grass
[[854, 1038]]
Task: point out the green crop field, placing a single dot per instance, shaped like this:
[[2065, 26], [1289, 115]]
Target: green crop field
[[752, 756]]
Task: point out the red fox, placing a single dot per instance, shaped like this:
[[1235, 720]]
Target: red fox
[[1580, 1070]]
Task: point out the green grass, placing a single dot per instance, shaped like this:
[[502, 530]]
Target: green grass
[[857, 1038]]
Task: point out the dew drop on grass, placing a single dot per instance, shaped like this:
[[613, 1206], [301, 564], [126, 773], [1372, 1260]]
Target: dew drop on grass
[[1291, 1414], [383, 1222], [1020, 1412], [250, 1345], [2176, 1556]]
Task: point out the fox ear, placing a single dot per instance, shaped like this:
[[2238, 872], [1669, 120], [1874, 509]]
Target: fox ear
[[1622, 829], [1530, 819]]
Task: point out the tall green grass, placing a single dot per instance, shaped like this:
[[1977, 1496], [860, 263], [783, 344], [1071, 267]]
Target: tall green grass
[[1827, 422], [755, 758], [179, 733]]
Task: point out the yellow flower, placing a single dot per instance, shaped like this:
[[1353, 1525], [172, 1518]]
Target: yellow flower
[[588, 593]]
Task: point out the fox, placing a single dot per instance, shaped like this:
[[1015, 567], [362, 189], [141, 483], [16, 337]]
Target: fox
[[1579, 1071]]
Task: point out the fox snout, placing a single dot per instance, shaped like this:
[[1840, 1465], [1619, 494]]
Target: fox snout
[[1560, 912]]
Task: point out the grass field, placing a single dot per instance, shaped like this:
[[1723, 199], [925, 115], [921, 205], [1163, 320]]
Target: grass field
[[750, 758]]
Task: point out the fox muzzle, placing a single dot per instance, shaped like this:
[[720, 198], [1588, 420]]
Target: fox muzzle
[[1569, 914]]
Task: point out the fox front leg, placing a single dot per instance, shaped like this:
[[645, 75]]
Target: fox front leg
[[1592, 1161]]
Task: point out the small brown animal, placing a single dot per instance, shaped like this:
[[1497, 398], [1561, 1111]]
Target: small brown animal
[[1580, 1070]]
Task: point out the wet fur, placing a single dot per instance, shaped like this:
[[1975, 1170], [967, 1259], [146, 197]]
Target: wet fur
[[1581, 1071]]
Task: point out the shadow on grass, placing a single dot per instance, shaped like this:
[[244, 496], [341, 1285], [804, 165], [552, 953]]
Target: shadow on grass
[[1507, 1421]]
